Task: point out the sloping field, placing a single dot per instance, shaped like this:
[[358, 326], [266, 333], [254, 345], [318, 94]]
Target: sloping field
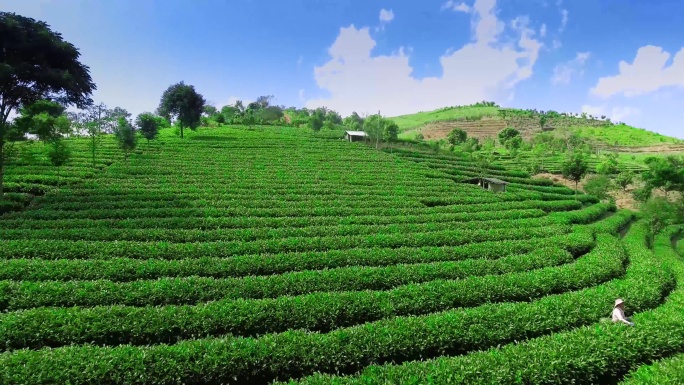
[[241, 256], [481, 129]]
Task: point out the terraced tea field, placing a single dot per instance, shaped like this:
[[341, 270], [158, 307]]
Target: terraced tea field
[[240, 256]]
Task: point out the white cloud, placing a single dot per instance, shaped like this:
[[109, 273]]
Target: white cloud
[[456, 6], [301, 95], [616, 114], [648, 72], [300, 60], [386, 15], [556, 44], [480, 70], [564, 20], [542, 30], [563, 73]]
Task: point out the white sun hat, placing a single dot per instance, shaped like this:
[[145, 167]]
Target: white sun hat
[[618, 302]]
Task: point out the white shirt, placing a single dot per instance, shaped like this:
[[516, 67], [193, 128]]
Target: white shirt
[[619, 315]]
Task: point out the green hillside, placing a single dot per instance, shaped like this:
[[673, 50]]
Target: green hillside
[[241, 255], [588, 127]]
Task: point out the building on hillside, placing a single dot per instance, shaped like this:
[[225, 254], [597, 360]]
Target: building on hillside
[[355, 136], [491, 184]]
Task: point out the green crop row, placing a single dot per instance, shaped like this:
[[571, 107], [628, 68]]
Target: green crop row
[[559, 205], [25, 295], [252, 235], [613, 224], [316, 312], [54, 249], [667, 371], [297, 353], [211, 223], [601, 353], [126, 269]]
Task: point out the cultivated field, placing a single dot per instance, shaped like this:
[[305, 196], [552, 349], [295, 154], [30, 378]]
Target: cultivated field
[[242, 256]]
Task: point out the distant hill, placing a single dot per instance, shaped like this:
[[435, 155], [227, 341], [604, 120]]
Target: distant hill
[[485, 121]]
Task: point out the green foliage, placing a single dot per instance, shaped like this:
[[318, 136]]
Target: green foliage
[[665, 173], [58, 153], [575, 168], [315, 122], [149, 124], [507, 134], [353, 122], [599, 186], [624, 179], [125, 136], [45, 119], [609, 165], [457, 136], [182, 102]]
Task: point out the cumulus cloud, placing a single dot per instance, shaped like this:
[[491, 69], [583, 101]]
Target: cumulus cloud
[[483, 68], [563, 73], [386, 15], [648, 72], [456, 6], [616, 114]]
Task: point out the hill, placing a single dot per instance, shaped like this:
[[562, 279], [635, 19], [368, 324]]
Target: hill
[[242, 255], [486, 122]]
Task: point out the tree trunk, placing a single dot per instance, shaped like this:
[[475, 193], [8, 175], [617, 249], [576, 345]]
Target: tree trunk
[[93, 150], [181, 129], [2, 169]]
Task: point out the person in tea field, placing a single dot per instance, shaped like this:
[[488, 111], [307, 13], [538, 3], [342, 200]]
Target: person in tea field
[[619, 313]]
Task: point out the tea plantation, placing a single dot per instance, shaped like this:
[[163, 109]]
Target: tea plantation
[[254, 256]]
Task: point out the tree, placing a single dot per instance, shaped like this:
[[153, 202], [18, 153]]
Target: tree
[[262, 102], [92, 122], [665, 173], [598, 186], [315, 122], [624, 179], [36, 63], [390, 131], [659, 212], [183, 103], [507, 134], [353, 122], [125, 136], [59, 154], [514, 143], [609, 165], [575, 168], [148, 124], [209, 110], [457, 136], [270, 114], [114, 116], [45, 119]]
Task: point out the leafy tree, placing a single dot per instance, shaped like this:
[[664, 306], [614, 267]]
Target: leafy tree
[[609, 165], [575, 167], [270, 114], [182, 102], [92, 122], [514, 144], [315, 122], [117, 113], [148, 124], [262, 102], [598, 186], [36, 63], [353, 122], [659, 212], [209, 110], [390, 131], [507, 134], [45, 119], [125, 136], [665, 173], [239, 106], [457, 136], [624, 179], [543, 118], [59, 154]]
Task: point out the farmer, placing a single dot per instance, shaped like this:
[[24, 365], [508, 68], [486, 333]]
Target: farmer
[[619, 313]]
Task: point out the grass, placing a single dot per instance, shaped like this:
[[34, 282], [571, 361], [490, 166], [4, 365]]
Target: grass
[[625, 135], [407, 122]]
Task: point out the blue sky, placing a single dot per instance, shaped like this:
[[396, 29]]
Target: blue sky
[[614, 57]]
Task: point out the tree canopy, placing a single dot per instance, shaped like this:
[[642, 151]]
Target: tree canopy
[[575, 167], [182, 102], [148, 124], [36, 64]]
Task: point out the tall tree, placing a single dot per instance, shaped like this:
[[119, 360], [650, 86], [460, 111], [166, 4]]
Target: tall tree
[[92, 122], [575, 168], [45, 119], [457, 136], [148, 124], [182, 102], [125, 136], [36, 63]]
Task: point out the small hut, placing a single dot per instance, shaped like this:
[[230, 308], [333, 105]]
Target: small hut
[[491, 184], [355, 136]]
